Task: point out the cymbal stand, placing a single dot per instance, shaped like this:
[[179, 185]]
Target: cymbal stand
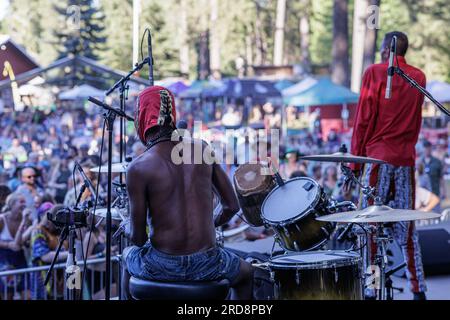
[[381, 259], [368, 191]]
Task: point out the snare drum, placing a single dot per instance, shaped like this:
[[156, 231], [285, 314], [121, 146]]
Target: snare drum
[[252, 186], [291, 211], [317, 275]]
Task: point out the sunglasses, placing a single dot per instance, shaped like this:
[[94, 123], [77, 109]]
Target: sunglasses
[[29, 177]]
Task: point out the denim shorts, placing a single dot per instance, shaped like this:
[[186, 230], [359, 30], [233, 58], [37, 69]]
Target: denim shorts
[[148, 263]]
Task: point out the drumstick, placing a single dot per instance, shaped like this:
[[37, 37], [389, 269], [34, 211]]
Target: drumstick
[[276, 174]]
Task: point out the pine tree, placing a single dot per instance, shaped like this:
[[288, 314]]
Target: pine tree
[[165, 55], [119, 28], [83, 32]]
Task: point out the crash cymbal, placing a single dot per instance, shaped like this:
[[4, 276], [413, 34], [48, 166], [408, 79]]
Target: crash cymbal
[[115, 213], [378, 214], [341, 157], [120, 167]]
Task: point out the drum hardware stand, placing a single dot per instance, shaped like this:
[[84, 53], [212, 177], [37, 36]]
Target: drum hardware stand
[[69, 230], [389, 288], [109, 115], [414, 84], [382, 259]]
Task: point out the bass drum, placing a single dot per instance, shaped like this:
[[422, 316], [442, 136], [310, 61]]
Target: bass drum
[[318, 275], [291, 211]]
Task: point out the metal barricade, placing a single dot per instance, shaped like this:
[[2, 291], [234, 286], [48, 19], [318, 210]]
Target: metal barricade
[[24, 284]]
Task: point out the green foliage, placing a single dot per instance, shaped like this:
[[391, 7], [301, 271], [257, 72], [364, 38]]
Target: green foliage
[[81, 28], [244, 28], [426, 24]]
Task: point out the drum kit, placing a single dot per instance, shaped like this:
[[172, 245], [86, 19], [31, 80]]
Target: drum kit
[[120, 206], [303, 219]]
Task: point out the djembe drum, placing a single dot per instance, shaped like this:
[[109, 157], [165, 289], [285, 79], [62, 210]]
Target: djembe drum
[[253, 182]]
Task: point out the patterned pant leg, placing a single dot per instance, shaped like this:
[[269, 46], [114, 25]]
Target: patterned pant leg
[[405, 233], [379, 176]]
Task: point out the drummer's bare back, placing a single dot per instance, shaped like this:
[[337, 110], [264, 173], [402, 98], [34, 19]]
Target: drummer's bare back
[[178, 198]]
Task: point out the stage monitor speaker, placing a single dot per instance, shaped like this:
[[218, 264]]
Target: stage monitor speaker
[[434, 243], [435, 247]]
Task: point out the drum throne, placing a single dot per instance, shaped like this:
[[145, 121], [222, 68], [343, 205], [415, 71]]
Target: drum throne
[[155, 290]]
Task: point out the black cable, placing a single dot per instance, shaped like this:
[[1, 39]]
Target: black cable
[[95, 207], [142, 41], [81, 239], [74, 180], [367, 239]]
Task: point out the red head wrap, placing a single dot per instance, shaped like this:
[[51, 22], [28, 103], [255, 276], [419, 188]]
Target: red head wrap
[[155, 106]]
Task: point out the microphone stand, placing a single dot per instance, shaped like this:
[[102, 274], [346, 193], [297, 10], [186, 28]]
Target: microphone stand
[[110, 116], [414, 84]]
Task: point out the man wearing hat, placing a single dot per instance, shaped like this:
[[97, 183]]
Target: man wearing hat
[[177, 200]]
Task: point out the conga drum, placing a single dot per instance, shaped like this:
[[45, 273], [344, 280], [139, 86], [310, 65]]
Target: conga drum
[[253, 183]]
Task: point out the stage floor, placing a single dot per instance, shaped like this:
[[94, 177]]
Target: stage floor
[[438, 288]]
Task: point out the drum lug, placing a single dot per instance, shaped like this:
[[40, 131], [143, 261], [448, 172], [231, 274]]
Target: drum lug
[[297, 277], [336, 275], [272, 275]]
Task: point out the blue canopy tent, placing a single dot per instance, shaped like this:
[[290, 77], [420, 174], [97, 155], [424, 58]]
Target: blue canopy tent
[[259, 91], [320, 92], [323, 92], [283, 84], [198, 88], [177, 87]]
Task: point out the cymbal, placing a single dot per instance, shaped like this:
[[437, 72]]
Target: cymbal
[[120, 167], [341, 157], [115, 213], [378, 214]]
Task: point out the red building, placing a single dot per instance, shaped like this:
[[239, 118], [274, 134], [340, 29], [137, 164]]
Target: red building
[[17, 57]]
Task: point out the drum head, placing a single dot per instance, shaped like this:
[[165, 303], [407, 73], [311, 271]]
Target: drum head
[[315, 260], [292, 199], [251, 178]]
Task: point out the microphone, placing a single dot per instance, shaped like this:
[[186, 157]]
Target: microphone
[[391, 68], [88, 183], [150, 58], [344, 233]]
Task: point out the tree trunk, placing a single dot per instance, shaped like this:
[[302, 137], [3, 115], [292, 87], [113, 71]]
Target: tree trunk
[[248, 53], [260, 54], [184, 45], [370, 40], [305, 59], [214, 41], [340, 66], [203, 56], [359, 29], [279, 33]]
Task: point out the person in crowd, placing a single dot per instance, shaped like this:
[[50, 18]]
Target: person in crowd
[[29, 187], [5, 191], [59, 178], [12, 226], [433, 168], [44, 242], [256, 119], [232, 118], [330, 180], [292, 164]]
